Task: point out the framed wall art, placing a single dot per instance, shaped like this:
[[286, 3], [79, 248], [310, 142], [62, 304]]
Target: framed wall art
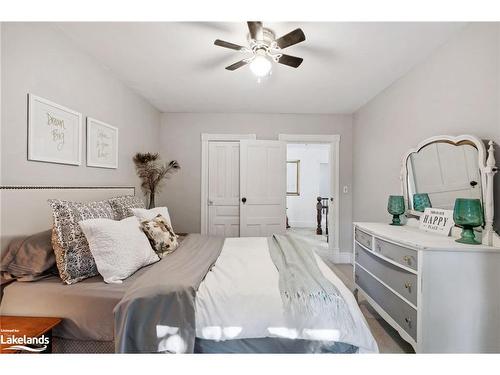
[[102, 144], [54, 132], [293, 177]]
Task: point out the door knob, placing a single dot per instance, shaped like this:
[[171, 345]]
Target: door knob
[[243, 200]]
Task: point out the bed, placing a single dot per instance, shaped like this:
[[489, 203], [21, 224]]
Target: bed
[[212, 295]]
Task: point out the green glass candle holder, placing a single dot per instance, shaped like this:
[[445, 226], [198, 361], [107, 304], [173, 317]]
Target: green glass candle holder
[[468, 214], [396, 207], [421, 201]]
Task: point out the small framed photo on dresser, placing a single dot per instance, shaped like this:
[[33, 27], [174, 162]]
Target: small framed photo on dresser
[[54, 132], [102, 144]]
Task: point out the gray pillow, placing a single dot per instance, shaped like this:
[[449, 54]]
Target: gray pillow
[[122, 206], [73, 257], [28, 259]]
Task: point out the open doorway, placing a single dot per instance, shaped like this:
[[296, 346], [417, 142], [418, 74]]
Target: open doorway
[[325, 184], [308, 191]]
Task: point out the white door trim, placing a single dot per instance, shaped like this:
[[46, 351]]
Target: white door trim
[[205, 138], [334, 141]]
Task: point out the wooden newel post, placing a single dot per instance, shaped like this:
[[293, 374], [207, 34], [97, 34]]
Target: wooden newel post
[[319, 209], [327, 208]]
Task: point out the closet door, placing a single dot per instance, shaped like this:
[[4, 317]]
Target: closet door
[[224, 189], [262, 187]]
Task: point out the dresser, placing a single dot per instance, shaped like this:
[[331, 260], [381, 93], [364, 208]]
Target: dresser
[[440, 295]]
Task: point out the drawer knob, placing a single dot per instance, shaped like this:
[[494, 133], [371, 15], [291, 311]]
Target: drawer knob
[[379, 249], [408, 321], [407, 259], [408, 286]]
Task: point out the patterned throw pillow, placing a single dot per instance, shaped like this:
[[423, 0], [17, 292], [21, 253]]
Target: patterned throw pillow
[[73, 257], [160, 235], [143, 214], [122, 205]]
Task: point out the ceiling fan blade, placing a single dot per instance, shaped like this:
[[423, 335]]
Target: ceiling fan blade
[[292, 61], [222, 43], [255, 28], [237, 65], [293, 37]]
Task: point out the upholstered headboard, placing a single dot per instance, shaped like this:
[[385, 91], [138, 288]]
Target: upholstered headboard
[[24, 209]]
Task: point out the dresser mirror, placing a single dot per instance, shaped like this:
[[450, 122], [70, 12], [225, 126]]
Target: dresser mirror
[[443, 168], [444, 171]]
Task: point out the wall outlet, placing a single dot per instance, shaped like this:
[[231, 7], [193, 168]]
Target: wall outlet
[[346, 189]]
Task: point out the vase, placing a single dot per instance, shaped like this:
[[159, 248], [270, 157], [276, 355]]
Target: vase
[[468, 214], [151, 201], [396, 207], [421, 201]]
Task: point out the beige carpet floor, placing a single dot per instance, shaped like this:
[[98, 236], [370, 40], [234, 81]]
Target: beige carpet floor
[[387, 338]]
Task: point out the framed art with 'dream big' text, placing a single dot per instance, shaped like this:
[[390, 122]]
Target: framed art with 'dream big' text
[[54, 132]]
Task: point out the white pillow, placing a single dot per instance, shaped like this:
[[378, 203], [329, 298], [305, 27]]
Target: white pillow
[[119, 247], [145, 214]]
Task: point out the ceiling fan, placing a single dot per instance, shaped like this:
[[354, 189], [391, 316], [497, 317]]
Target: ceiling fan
[[265, 48]]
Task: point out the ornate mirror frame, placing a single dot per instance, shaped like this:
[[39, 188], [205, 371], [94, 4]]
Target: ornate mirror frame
[[487, 169]]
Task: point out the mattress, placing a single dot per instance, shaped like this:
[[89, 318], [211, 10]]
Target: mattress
[[86, 307]]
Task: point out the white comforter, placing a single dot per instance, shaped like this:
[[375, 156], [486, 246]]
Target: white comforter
[[240, 298]]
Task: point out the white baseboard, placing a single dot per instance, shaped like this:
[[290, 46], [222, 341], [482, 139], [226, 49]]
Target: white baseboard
[[301, 224], [342, 257], [338, 257]]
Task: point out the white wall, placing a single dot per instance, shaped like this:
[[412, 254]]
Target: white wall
[[455, 91], [39, 59], [180, 139], [301, 209]]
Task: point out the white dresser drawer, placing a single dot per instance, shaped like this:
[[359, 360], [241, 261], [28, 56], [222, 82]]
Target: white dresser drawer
[[404, 315], [402, 281], [399, 254], [363, 238]]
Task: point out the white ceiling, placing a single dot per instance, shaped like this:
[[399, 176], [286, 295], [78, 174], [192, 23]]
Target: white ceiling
[[176, 67]]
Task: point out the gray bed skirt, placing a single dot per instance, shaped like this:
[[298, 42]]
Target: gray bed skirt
[[268, 345], [241, 346]]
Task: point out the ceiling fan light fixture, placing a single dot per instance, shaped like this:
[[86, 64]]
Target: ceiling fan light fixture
[[265, 49], [260, 66]]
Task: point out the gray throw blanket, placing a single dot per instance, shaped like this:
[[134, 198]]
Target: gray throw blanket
[[157, 313], [309, 299]]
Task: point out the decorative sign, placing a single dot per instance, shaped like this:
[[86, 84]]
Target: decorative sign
[[437, 220], [54, 132], [102, 144]]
